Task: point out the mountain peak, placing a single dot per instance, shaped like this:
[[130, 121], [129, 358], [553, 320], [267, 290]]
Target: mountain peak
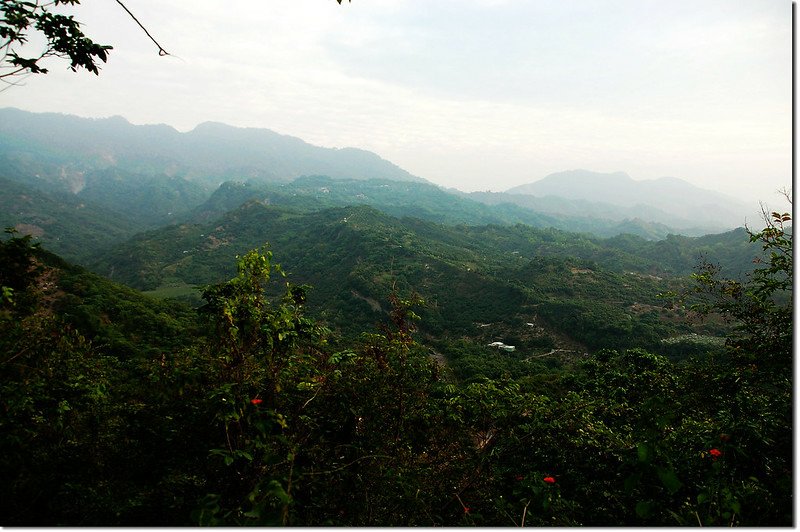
[[668, 194], [116, 119], [586, 180]]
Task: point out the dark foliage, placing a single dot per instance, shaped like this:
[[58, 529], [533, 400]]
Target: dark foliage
[[122, 410]]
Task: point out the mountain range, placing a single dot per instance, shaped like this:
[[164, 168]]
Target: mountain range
[[155, 175], [62, 148], [165, 212]]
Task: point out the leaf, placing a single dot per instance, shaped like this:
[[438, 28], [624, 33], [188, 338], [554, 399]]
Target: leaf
[[644, 453], [226, 456], [669, 479], [275, 489], [643, 509]]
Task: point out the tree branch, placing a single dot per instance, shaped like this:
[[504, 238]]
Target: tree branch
[[161, 50]]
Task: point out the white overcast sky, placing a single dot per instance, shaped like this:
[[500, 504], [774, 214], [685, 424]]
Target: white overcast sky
[[471, 94]]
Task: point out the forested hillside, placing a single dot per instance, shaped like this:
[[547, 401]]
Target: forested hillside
[[72, 227], [425, 201], [598, 293], [124, 410], [419, 358]]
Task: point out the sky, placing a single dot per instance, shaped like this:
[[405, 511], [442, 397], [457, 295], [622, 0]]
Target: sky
[[469, 94]]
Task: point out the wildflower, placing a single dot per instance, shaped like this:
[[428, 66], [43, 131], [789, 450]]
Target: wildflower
[[549, 480], [715, 453], [256, 401], [466, 509]]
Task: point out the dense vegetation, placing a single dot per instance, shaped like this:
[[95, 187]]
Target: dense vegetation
[[484, 282], [123, 410]]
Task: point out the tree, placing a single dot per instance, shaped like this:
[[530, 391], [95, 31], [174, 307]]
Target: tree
[[761, 306], [756, 399], [63, 35], [18, 273]]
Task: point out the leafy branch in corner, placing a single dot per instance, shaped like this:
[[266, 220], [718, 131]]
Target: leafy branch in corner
[[63, 36]]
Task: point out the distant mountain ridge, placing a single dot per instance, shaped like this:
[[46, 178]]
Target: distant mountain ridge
[[667, 200], [153, 175], [63, 147], [418, 200]]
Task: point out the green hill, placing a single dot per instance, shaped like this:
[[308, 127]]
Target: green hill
[[419, 200], [69, 226], [486, 283], [120, 410]]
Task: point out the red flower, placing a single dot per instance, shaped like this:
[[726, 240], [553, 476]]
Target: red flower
[[256, 401], [715, 453], [549, 480], [466, 509]]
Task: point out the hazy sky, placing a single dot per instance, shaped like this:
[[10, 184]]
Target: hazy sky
[[471, 94]]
